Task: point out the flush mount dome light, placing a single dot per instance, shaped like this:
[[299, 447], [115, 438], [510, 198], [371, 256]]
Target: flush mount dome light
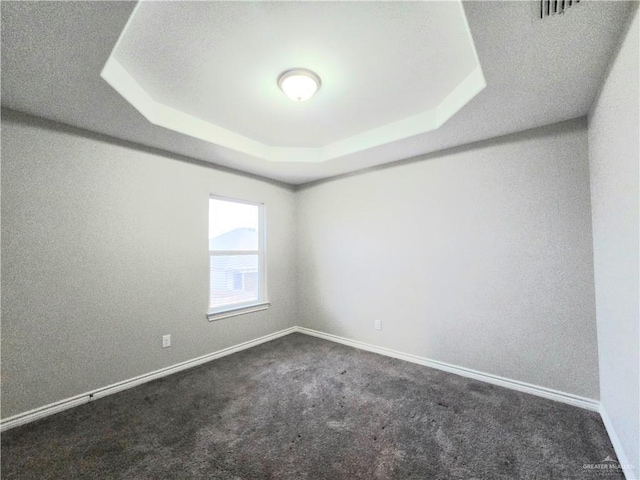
[[299, 84]]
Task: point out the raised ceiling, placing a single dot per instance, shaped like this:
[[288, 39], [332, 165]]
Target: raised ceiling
[[537, 72], [389, 71]]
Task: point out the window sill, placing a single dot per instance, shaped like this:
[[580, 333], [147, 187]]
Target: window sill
[[232, 312]]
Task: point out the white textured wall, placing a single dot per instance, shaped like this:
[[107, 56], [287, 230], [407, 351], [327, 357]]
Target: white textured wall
[[614, 155], [480, 257], [104, 250]]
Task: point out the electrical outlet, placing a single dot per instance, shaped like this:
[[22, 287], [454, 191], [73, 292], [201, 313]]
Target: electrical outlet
[[166, 341], [378, 324]]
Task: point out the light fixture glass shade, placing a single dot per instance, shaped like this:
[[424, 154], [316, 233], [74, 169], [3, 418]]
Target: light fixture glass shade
[[299, 84]]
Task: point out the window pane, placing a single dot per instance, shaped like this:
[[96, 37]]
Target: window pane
[[234, 279], [232, 225]]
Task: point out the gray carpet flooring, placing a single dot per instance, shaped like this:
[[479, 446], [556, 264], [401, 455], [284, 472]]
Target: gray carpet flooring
[[304, 408]]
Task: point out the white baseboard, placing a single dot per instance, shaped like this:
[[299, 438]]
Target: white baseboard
[[623, 459], [45, 411], [70, 402], [544, 392]]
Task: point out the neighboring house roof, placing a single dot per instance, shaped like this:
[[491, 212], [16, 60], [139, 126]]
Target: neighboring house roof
[[237, 239]]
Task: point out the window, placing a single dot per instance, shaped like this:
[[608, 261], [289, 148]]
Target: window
[[237, 279]]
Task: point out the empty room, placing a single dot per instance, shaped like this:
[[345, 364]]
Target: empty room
[[320, 240]]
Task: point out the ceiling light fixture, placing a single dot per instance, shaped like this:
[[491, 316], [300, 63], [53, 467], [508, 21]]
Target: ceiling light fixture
[[299, 84]]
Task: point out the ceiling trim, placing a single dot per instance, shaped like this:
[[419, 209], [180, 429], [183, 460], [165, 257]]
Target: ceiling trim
[[8, 114], [168, 117], [164, 116]]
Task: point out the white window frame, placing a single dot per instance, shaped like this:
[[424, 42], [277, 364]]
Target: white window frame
[[262, 303]]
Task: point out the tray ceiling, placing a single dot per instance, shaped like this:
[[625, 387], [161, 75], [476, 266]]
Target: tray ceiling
[[537, 72], [389, 70]]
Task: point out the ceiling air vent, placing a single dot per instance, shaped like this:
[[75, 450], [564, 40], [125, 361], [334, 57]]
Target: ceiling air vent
[[551, 7]]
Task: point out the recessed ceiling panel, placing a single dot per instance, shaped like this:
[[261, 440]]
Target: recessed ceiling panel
[[389, 70], [537, 72]]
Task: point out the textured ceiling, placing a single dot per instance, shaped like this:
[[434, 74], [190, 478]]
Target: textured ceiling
[[389, 71], [537, 72]]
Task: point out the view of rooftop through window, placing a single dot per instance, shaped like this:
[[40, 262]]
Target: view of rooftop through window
[[234, 251], [228, 215]]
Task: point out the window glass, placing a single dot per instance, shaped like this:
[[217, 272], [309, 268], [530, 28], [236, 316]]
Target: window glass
[[236, 254]]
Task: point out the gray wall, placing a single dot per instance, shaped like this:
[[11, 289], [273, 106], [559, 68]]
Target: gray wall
[[104, 250], [614, 157], [480, 257]]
